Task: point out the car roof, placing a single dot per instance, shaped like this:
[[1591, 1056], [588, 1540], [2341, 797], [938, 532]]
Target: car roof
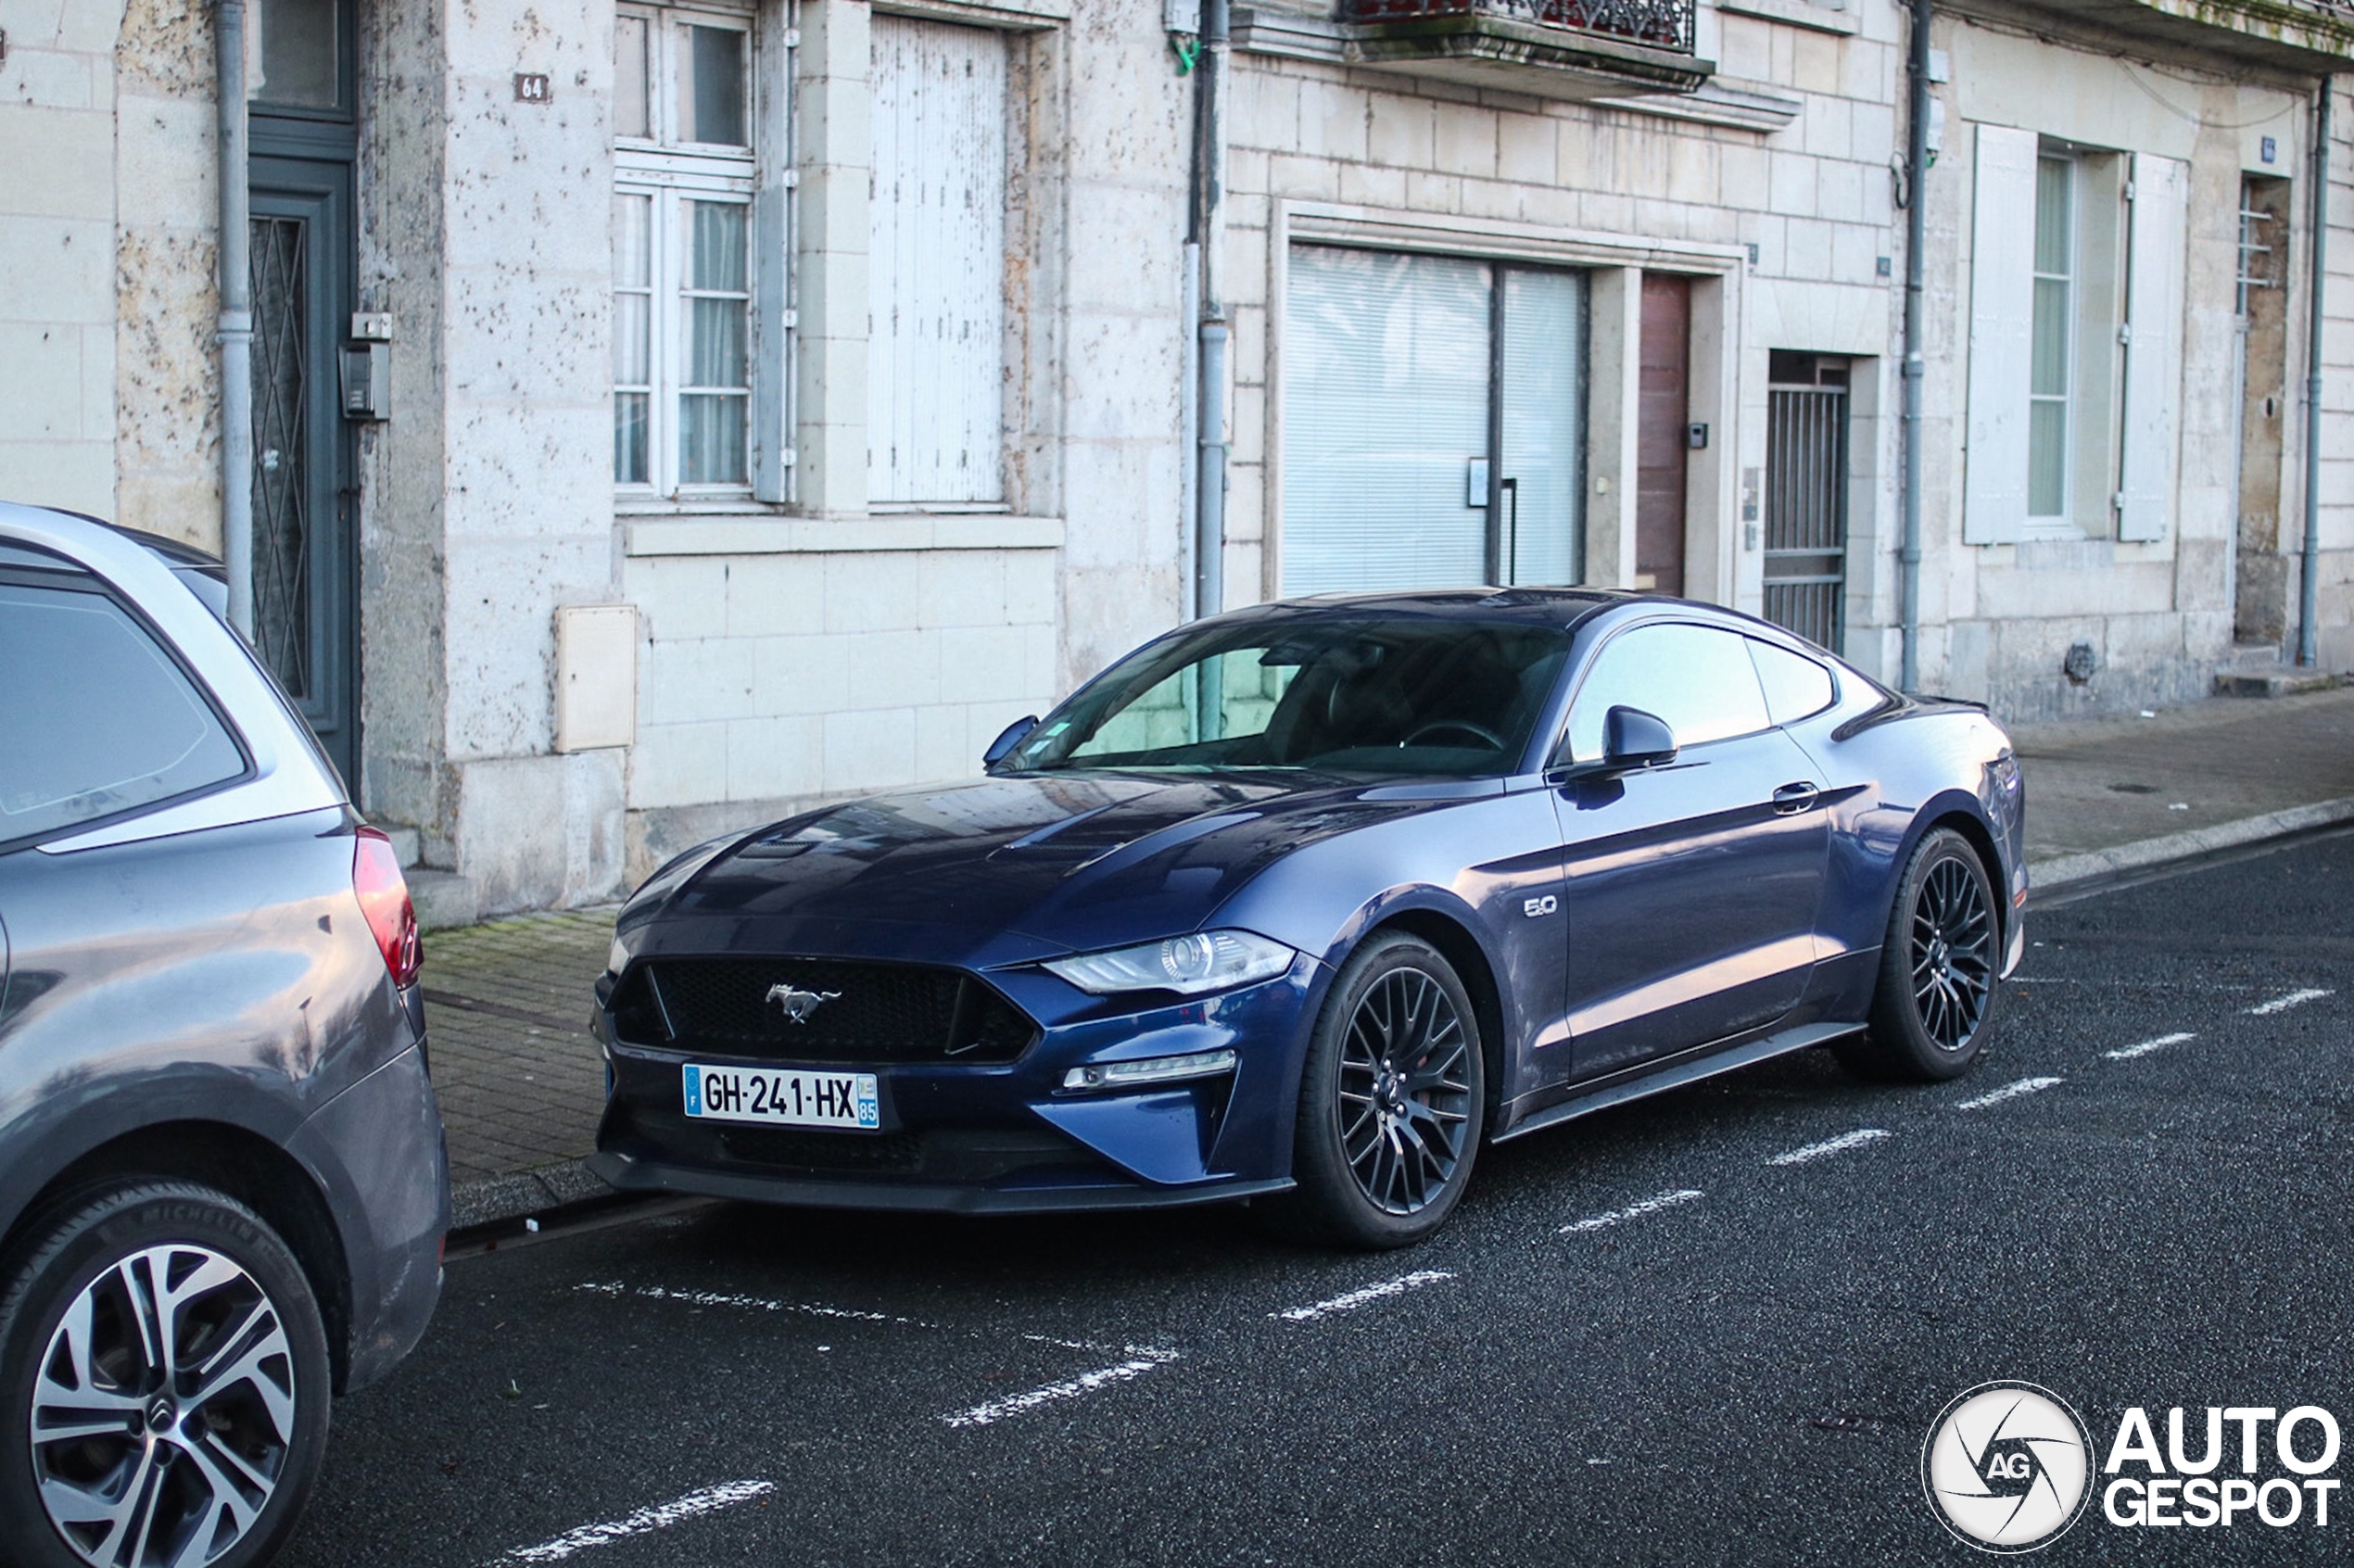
[[1562, 607]]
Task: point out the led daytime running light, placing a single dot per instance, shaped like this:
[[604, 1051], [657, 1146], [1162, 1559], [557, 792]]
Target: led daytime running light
[[1157, 1070]]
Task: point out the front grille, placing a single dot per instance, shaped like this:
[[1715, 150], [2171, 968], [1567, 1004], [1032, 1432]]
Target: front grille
[[879, 1013]]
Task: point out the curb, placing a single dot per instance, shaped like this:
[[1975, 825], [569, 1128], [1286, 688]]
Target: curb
[[2123, 860], [520, 1194]]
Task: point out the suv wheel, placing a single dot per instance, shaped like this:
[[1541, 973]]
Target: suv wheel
[[166, 1385]]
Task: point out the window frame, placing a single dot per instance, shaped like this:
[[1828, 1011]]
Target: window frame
[[670, 171], [70, 577], [2071, 316]]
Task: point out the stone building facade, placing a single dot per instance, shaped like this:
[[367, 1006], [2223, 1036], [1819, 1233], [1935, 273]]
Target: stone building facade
[[759, 401]]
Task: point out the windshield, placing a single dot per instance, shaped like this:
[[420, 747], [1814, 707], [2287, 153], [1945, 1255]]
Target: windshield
[[1448, 698]]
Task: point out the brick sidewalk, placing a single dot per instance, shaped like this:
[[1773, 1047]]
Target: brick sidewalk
[[522, 1082], [507, 1013]]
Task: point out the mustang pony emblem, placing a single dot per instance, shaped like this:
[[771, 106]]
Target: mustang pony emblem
[[799, 1005]]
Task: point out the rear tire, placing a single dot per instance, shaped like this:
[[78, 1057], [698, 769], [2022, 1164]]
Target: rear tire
[[166, 1377], [1392, 1104], [1941, 960]]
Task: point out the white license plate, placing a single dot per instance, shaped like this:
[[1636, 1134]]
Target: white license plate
[[781, 1097]]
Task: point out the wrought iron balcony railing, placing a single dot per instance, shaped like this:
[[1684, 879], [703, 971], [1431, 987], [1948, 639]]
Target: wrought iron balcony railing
[[1660, 24]]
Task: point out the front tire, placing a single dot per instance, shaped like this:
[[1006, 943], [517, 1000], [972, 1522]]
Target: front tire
[[1392, 1103], [1936, 1002], [166, 1392]]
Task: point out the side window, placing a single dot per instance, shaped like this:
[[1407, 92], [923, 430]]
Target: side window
[[1796, 687], [1696, 679], [95, 719]]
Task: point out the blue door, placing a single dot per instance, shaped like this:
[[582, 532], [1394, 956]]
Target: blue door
[[1692, 889]]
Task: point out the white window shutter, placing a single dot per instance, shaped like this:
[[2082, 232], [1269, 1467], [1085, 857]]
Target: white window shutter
[[936, 268], [2154, 347], [2001, 332]]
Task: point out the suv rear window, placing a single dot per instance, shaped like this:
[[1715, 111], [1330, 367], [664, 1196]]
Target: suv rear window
[[96, 719]]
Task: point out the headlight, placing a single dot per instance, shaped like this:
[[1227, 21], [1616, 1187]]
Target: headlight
[[1188, 965], [617, 957]]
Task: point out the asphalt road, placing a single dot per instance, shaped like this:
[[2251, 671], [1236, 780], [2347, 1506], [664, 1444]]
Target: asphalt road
[[1743, 1369]]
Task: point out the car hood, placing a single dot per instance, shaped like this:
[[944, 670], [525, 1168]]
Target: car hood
[[1005, 870]]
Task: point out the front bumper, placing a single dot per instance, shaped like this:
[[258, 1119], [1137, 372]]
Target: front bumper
[[1006, 1138], [632, 1175]]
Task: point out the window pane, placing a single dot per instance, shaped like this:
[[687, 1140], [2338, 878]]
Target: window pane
[[93, 717], [629, 438], [1795, 688], [2050, 349], [715, 246], [297, 53], [1698, 679], [632, 332], [630, 108], [2047, 458], [2054, 220], [711, 87], [711, 439], [1544, 385], [633, 241], [715, 343], [1385, 408]]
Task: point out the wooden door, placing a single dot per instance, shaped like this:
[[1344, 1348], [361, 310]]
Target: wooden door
[[1663, 419]]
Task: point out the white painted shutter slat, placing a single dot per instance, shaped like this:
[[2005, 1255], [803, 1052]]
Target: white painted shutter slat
[[2000, 336], [2154, 347]]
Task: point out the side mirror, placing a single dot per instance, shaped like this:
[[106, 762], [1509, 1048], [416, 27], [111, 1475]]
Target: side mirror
[[1014, 735], [1633, 739]]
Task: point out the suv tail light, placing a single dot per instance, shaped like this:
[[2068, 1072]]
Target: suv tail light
[[384, 899]]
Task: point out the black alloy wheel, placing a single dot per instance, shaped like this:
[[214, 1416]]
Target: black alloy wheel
[[1937, 997], [1953, 953], [167, 1385], [1392, 1102]]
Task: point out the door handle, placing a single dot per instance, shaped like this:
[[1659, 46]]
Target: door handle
[[1793, 799]]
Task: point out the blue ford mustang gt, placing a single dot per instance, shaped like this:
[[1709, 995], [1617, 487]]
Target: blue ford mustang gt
[[1303, 903]]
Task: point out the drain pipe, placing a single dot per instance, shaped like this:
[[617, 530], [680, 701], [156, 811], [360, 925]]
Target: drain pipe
[[236, 319], [2309, 597], [1916, 370], [1209, 416]]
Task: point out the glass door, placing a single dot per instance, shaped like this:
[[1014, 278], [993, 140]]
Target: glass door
[[1434, 423]]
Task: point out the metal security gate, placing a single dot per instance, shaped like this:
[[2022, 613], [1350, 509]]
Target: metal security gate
[[1807, 502]]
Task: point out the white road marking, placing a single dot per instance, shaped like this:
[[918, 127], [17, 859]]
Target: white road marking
[[1356, 1298], [750, 1303], [1632, 1211], [2010, 1092], [2283, 1003], [989, 1414], [661, 1516], [2127, 1052], [1840, 1145]]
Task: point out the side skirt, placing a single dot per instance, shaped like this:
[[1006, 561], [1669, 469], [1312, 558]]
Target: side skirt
[[1691, 1067]]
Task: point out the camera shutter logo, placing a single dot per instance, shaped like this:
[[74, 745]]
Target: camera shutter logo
[[2007, 1467]]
